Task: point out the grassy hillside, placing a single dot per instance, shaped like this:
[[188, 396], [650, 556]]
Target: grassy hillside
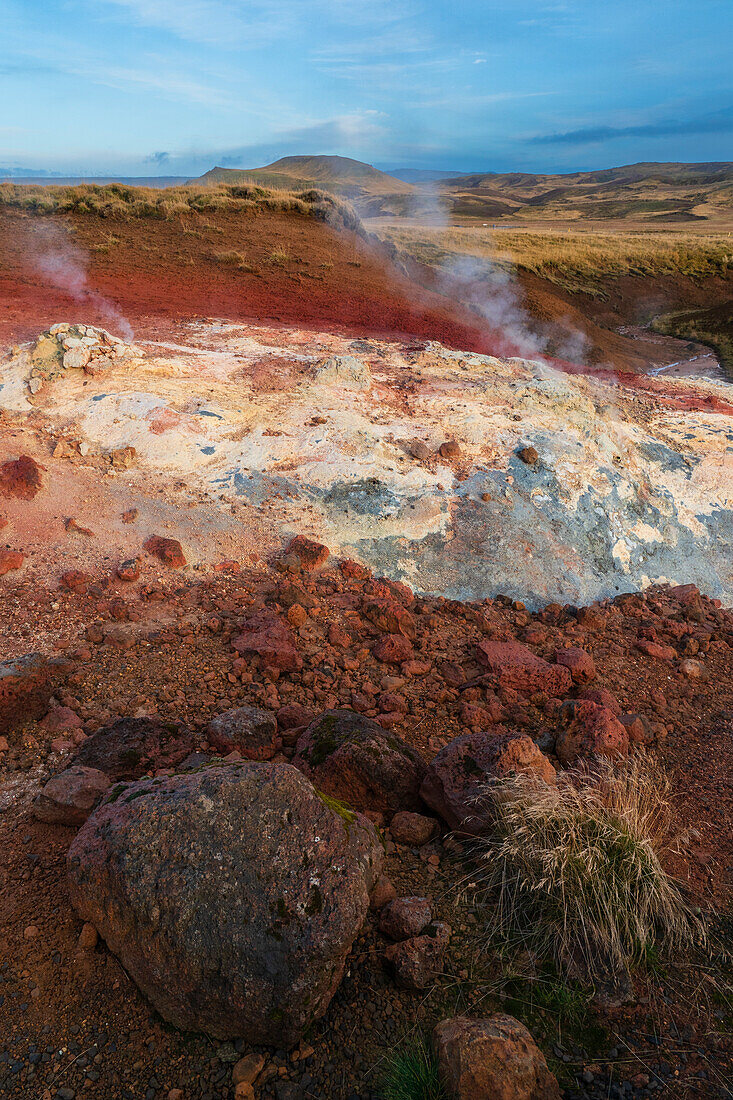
[[654, 193], [341, 174]]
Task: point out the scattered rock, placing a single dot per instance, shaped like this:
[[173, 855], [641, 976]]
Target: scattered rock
[[593, 731], [299, 871], [528, 455], [382, 893], [405, 917], [494, 1058], [129, 570], [88, 937], [60, 719], [420, 450], [74, 580], [355, 759], [412, 829], [267, 637], [391, 617], [517, 667], [166, 550], [26, 685], [417, 962], [312, 555], [130, 747], [346, 372], [654, 649], [69, 798], [450, 449], [602, 697], [10, 560], [579, 662], [456, 779], [20, 478], [250, 730]]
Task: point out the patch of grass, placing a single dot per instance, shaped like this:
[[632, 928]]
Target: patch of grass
[[578, 261], [411, 1073], [279, 257], [233, 258], [575, 868], [119, 202]]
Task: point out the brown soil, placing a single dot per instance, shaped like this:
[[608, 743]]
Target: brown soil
[[97, 1036]]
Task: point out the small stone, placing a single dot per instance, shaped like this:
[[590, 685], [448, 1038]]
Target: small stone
[[31, 932], [382, 894], [10, 560], [528, 455], [420, 450], [248, 1069], [449, 449], [129, 570], [412, 829], [169, 551], [405, 917]]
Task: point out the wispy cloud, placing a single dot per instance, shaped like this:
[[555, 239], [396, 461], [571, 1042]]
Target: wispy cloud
[[717, 122]]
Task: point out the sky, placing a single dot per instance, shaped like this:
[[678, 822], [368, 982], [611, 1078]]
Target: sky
[[173, 87]]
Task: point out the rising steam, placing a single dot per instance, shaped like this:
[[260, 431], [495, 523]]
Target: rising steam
[[64, 266]]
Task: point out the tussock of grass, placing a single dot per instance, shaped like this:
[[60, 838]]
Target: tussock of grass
[[577, 261], [411, 1073], [118, 201], [576, 870]]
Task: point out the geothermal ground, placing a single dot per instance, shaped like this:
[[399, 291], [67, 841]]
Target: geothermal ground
[[224, 511]]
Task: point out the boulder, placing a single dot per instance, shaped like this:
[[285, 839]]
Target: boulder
[[405, 917], [231, 895], [26, 685], [515, 666], [20, 478], [494, 1058], [417, 962], [579, 662], [593, 731], [457, 777], [266, 636], [131, 747], [355, 759], [248, 730], [69, 798]]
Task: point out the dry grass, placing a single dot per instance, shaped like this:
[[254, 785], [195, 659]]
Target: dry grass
[[575, 260], [119, 202], [576, 867]]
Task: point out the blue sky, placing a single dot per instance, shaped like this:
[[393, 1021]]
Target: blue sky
[[144, 87]]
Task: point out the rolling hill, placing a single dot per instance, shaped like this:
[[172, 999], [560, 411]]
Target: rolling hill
[[348, 177]]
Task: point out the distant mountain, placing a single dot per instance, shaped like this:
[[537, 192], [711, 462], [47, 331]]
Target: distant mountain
[[348, 177], [71, 181]]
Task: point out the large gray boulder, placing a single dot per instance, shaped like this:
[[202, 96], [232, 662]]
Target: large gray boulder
[[231, 895]]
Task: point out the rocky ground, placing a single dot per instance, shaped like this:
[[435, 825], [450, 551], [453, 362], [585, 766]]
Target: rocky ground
[[427, 670]]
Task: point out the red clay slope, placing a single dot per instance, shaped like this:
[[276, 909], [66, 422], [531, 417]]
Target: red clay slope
[[291, 269]]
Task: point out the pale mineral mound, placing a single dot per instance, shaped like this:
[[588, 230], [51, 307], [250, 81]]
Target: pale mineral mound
[[460, 473]]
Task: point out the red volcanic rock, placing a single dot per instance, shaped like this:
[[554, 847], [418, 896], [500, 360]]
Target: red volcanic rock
[[312, 555], [382, 893], [638, 728], [405, 917], [354, 759], [20, 478], [390, 617], [412, 829], [417, 962], [267, 637], [76, 581], [579, 662], [456, 778], [129, 570], [654, 649], [354, 570], [602, 697], [478, 717], [293, 715], [10, 560], [685, 593], [228, 566], [390, 702], [169, 551], [517, 667], [251, 944], [3, 522], [593, 731], [70, 797], [338, 636], [59, 719], [131, 747], [249, 730], [392, 649], [494, 1058], [26, 685]]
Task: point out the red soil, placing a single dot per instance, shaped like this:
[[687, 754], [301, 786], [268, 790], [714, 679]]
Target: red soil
[[297, 272]]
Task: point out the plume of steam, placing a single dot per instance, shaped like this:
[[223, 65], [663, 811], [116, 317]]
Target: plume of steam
[[63, 265], [491, 289]]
